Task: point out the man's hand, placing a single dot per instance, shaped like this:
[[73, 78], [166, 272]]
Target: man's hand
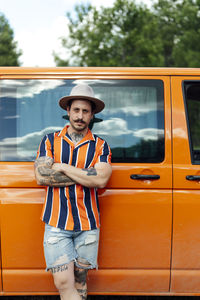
[[45, 175]]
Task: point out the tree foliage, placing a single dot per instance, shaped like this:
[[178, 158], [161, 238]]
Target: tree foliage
[[9, 55], [129, 34], [179, 23]]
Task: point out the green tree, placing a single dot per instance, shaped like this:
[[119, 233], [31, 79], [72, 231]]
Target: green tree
[[127, 34], [9, 55], [123, 35], [187, 47], [179, 23], [166, 13]]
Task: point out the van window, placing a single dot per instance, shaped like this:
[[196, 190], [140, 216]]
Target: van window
[[192, 100], [132, 122]]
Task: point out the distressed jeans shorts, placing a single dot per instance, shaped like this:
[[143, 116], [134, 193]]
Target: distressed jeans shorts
[[63, 246]]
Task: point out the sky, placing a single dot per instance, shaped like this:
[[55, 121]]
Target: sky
[[38, 26]]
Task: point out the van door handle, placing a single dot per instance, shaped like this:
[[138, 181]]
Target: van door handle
[[144, 177], [193, 177]]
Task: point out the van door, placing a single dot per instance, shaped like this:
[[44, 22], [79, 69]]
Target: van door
[[186, 184], [136, 207]]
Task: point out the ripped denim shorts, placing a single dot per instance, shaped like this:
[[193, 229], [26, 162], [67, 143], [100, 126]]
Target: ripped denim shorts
[[63, 246]]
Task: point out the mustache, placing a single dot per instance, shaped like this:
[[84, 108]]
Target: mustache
[[79, 121]]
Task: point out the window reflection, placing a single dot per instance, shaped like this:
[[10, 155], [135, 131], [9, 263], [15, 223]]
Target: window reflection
[[133, 120]]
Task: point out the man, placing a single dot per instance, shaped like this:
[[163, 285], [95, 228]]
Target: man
[[73, 163]]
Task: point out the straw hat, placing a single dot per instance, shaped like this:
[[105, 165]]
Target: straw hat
[[84, 92]]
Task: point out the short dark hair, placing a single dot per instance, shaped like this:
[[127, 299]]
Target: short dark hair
[[93, 106]]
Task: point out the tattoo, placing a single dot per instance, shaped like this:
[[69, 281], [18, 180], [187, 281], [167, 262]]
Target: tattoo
[[80, 282], [91, 171], [76, 137], [82, 293], [80, 275], [44, 160], [59, 269], [47, 176], [54, 178]]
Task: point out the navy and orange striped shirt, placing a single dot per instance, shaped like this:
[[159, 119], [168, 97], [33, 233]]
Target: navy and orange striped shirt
[[75, 207]]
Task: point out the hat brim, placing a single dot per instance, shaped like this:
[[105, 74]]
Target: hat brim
[[99, 105]]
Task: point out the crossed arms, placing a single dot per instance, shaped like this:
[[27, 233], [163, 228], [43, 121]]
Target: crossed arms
[[60, 174]]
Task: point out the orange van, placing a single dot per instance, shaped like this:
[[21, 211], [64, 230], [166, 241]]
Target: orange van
[[150, 208]]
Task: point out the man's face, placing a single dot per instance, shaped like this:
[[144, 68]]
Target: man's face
[[80, 114]]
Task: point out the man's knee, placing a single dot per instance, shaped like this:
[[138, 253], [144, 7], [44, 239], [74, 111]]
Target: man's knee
[[80, 271], [63, 278]]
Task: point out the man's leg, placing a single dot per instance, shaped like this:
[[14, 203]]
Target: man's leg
[[80, 281], [65, 283], [59, 256], [86, 245]]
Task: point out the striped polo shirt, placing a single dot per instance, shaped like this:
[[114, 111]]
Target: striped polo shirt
[[75, 207]]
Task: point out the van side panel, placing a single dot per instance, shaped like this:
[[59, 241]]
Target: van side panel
[[122, 252], [136, 219], [1, 286]]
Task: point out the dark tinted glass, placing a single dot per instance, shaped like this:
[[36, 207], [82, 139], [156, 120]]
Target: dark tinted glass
[[132, 122], [192, 99]]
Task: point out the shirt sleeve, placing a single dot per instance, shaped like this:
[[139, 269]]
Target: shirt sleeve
[[45, 148], [105, 154]]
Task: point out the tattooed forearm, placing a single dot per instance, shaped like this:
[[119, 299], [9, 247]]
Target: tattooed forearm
[[44, 161], [91, 171], [55, 179], [45, 175]]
